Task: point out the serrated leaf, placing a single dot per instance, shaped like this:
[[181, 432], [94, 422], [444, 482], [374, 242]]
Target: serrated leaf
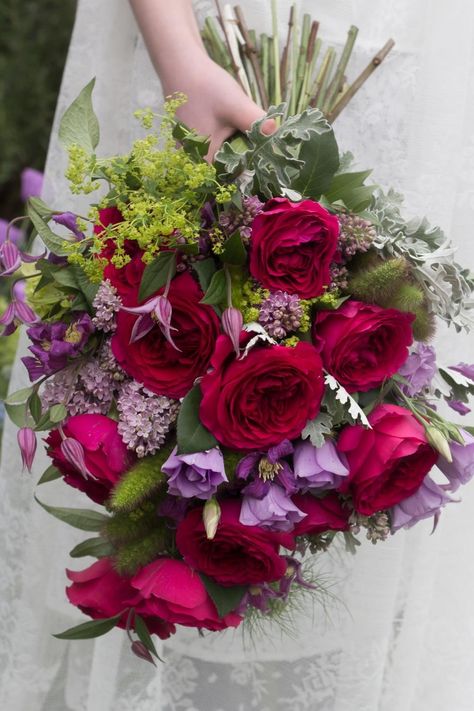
[[156, 274], [233, 251], [192, 436], [316, 429], [55, 243], [320, 156], [51, 474], [344, 398], [95, 547], [79, 125], [225, 599], [349, 190], [89, 630], [205, 269], [84, 519], [217, 289]]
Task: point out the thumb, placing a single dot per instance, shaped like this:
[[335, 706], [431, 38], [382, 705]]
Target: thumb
[[247, 113]]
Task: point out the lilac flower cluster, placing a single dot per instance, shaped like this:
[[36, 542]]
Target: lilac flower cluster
[[242, 220], [418, 369], [106, 304], [356, 235], [144, 418], [339, 276], [281, 314]]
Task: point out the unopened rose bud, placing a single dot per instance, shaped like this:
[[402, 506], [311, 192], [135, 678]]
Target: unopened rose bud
[[232, 322], [211, 516], [73, 452], [27, 443], [439, 442]]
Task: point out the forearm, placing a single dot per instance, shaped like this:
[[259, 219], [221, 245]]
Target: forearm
[[172, 37]]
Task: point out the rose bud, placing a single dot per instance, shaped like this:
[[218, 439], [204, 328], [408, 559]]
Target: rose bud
[[232, 322], [27, 443]]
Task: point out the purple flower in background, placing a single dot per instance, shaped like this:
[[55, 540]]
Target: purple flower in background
[[418, 369], [68, 220], [106, 304], [266, 467], [11, 258], [18, 312], [458, 406], [258, 596], [281, 314], [15, 235], [319, 467], [31, 183], [461, 469], [427, 501], [465, 369], [293, 575], [54, 344], [198, 474], [173, 508], [274, 510]]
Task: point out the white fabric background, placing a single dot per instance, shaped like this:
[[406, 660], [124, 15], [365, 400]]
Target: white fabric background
[[401, 636]]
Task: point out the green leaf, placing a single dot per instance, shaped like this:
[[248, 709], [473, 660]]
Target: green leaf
[[52, 241], [84, 519], [195, 145], [16, 413], [95, 547], [234, 251], [349, 189], [192, 436], [225, 599], [156, 274], [79, 125], [88, 289], [143, 634], [217, 289], [320, 156], [19, 396], [34, 404], [57, 413], [317, 429], [41, 208], [51, 474], [89, 630], [205, 269]]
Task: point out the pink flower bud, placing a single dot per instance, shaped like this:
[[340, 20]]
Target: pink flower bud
[[27, 442], [9, 258], [232, 323], [73, 452], [139, 649]]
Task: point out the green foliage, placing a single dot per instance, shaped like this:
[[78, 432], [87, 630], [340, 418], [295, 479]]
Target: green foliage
[[95, 547], [157, 273], [84, 519], [191, 433], [79, 125], [350, 190], [233, 251], [130, 557], [131, 526], [424, 326], [143, 480], [226, 599], [216, 291], [205, 270], [380, 282], [89, 630], [51, 474]]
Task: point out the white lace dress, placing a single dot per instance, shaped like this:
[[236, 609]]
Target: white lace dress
[[401, 636]]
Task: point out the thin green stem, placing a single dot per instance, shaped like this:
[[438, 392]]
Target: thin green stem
[[276, 54]]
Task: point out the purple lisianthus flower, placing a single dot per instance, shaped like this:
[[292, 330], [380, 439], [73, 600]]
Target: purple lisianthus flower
[[418, 369], [465, 369], [274, 510], [427, 501], [461, 469], [54, 344], [265, 467], [319, 467], [68, 220], [458, 406], [195, 475], [31, 183]]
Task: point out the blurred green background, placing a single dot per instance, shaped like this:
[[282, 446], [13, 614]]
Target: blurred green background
[[34, 37]]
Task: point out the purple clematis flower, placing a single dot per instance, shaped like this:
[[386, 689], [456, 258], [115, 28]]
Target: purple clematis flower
[[427, 501], [265, 467], [319, 467], [258, 596], [11, 258], [232, 322], [68, 220], [54, 344], [157, 310], [293, 575], [195, 475], [418, 369], [461, 469], [274, 510], [18, 312], [31, 183]]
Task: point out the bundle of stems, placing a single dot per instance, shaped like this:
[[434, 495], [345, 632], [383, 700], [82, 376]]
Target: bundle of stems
[[301, 72]]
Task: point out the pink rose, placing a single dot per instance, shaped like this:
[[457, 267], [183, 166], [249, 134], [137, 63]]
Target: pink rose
[[324, 514], [105, 454], [171, 591], [100, 592], [292, 246], [387, 463], [362, 344]]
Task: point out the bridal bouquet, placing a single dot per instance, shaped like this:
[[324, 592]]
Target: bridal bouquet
[[233, 362]]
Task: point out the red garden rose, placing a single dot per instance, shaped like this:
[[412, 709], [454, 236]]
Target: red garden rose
[[152, 360], [325, 514], [262, 399], [292, 246], [100, 592], [387, 463], [170, 590], [106, 456], [362, 344], [238, 554]]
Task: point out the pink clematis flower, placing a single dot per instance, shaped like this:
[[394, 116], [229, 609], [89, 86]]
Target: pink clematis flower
[[157, 310]]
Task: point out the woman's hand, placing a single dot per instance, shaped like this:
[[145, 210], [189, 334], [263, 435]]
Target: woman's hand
[[217, 106]]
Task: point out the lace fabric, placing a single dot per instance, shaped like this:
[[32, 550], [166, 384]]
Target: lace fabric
[[398, 636]]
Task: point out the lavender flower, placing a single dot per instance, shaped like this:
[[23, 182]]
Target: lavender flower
[[54, 344], [356, 235], [68, 220], [235, 219], [319, 467], [418, 369], [31, 183], [144, 418], [458, 406], [281, 314], [427, 501], [195, 475], [465, 369], [106, 304], [339, 277], [274, 510], [461, 469]]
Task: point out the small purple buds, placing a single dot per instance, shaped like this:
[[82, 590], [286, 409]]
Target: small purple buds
[[26, 438], [73, 452], [232, 322]]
